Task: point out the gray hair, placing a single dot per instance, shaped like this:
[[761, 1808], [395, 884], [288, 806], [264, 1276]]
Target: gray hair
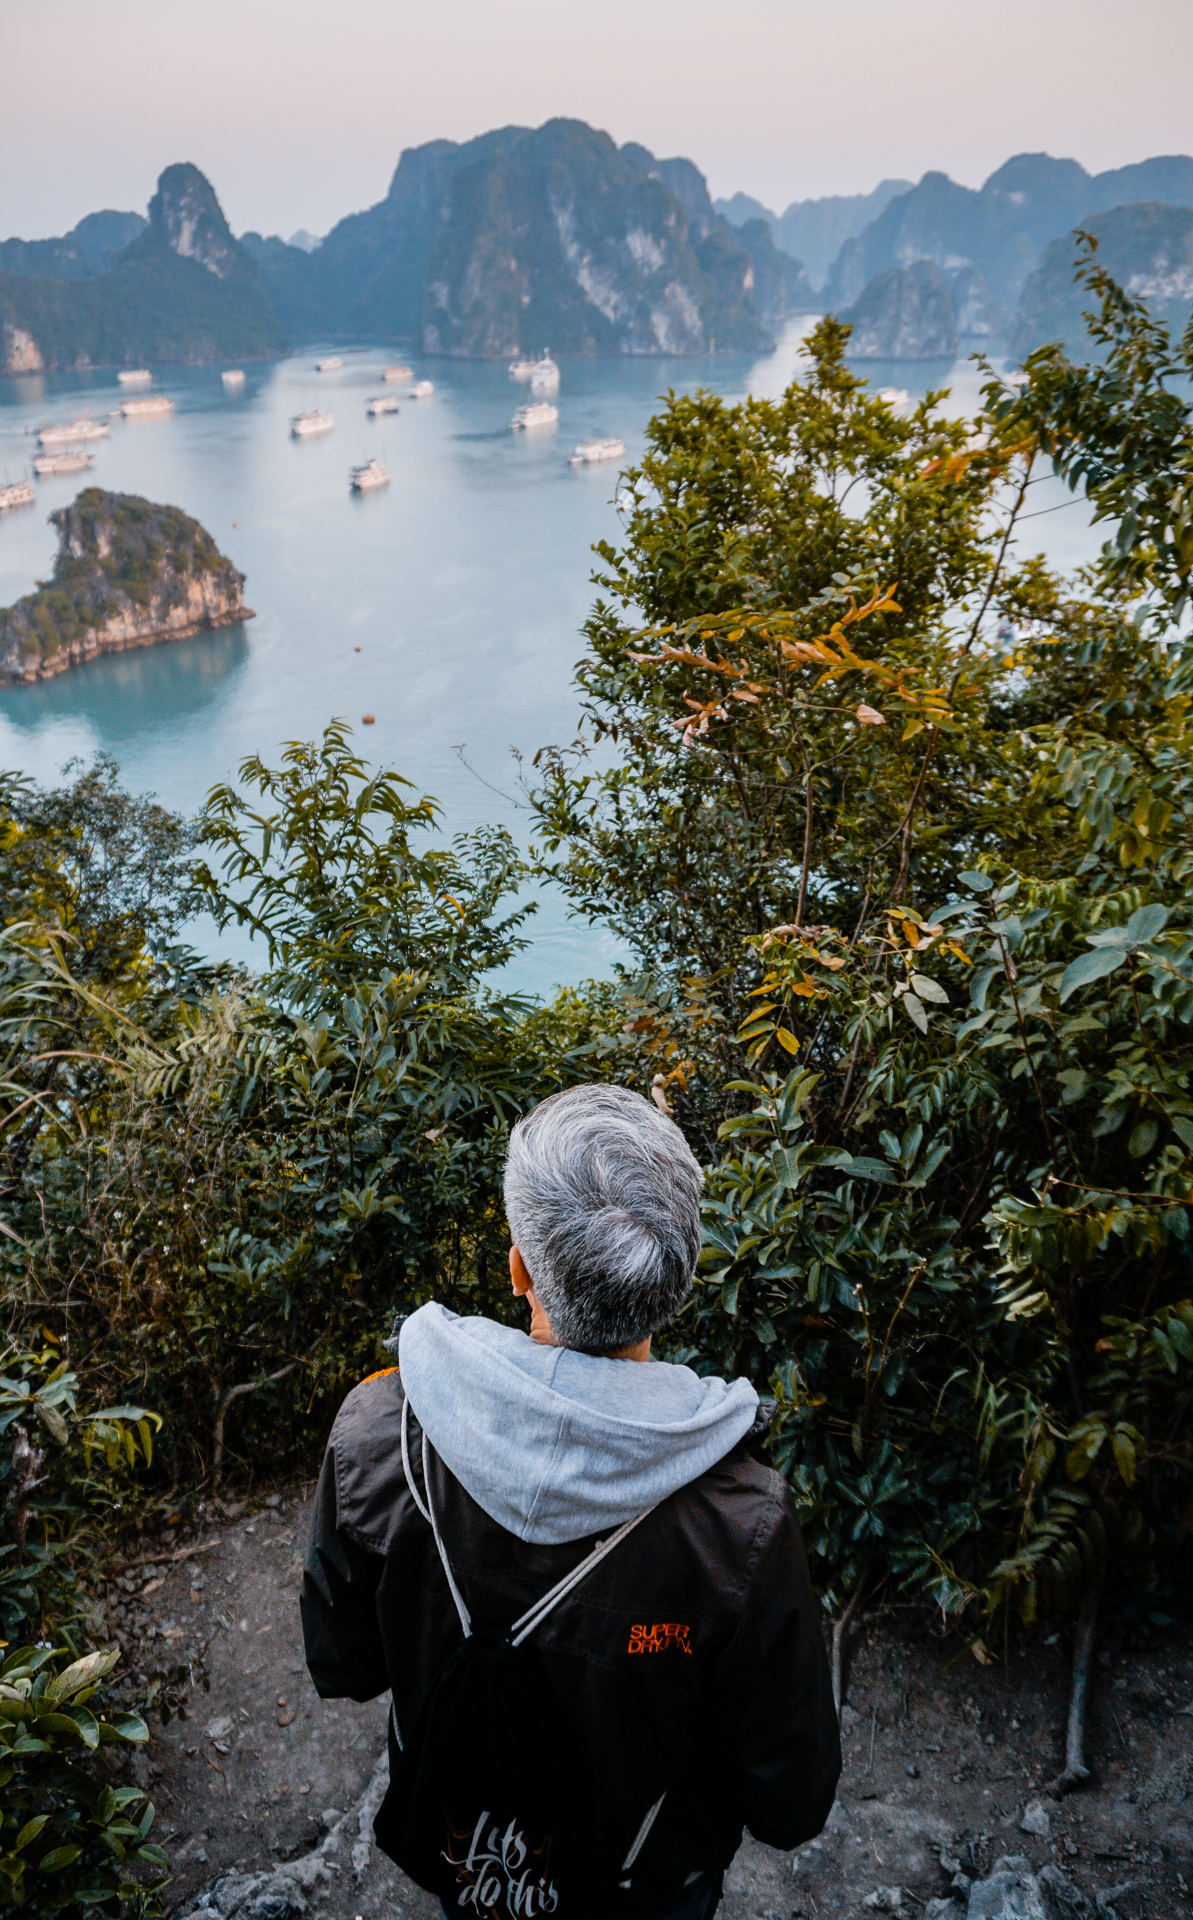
[[602, 1194]]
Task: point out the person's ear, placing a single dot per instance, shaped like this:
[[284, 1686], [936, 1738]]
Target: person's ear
[[520, 1280]]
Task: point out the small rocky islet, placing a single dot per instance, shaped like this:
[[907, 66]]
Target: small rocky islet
[[128, 573]]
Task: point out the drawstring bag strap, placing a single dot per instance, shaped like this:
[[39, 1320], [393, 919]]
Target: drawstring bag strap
[[535, 1615]]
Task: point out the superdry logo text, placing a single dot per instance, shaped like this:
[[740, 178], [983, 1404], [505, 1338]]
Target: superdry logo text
[[501, 1875], [667, 1636]]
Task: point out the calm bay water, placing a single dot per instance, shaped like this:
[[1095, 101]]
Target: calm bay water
[[463, 584]]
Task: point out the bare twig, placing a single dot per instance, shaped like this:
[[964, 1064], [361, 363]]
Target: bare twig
[[24, 1477], [1075, 1769], [803, 878], [841, 1630], [234, 1393]]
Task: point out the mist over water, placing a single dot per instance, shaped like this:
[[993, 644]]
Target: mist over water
[[448, 605]]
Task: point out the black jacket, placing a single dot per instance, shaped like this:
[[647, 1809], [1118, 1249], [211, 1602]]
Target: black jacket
[[690, 1660]]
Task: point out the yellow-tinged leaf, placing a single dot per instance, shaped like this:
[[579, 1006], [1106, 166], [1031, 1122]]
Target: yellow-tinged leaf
[[870, 716], [786, 1040], [911, 934]]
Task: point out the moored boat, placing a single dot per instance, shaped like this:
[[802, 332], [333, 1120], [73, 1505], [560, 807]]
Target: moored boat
[[421, 390], [82, 427], [147, 409], [397, 373], [537, 414], [233, 377], [589, 451], [313, 421], [372, 474], [73, 462], [19, 494], [522, 369], [134, 377], [383, 403], [545, 378], [328, 366]]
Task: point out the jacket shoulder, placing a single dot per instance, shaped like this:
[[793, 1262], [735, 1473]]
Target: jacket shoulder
[[365, 1446]]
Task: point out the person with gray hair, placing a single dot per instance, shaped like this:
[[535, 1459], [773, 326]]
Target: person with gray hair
[[589, 1600]]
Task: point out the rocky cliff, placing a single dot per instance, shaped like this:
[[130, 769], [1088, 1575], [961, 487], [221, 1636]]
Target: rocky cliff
[[906, 313], [1149, 251], [127, 574], [179, 289], [524, 239]]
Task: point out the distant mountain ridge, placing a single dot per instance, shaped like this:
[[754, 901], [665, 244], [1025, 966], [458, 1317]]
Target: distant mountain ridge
[[554, 237], [181, 289], [524, 239], [1148, 248], [814, 231], [1001, 228]]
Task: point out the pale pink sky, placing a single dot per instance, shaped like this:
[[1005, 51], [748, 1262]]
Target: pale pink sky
[[297, 109]]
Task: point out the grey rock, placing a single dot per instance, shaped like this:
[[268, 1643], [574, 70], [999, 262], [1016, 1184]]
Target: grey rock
[[1011, 1892], [944, 1910], [1036, 1820], [884, 1900]]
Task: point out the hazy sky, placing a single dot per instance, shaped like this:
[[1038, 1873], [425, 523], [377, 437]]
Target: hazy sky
[[297, 110]]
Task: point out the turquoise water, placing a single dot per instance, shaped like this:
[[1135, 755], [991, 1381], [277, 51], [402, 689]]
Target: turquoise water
[[448, 604]]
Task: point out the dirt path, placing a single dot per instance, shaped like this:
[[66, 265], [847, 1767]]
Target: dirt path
[[942, 1757]]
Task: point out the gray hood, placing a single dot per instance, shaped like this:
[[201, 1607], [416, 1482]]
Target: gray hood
[[555, 1445]]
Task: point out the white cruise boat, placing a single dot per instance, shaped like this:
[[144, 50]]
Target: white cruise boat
[[545, 378], [72, 462], [147, 409], [384, 403], [522, 369], [537, 414], [83, 427], [397, 373], [233, 377], [134, 377], [314, 421], [19, 494], [591, 450], [421, 390], [328, 366], [372, 474]]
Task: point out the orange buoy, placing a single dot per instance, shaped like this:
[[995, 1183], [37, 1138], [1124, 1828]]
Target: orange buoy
[[367, 718]]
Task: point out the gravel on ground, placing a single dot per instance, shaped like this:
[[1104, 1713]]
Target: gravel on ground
[[947, 1762]]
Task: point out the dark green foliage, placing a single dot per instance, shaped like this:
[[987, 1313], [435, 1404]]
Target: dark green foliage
[[117, 554], [68, 1838], [948, 800], [271, 1169]]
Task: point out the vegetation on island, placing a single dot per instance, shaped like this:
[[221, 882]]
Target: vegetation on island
[[897, 825], [181, 290], [119, 557]]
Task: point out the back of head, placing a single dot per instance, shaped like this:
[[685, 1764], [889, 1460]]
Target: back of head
[[602, 1193]]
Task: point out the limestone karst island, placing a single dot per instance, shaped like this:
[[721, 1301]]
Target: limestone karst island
[[127, 574]]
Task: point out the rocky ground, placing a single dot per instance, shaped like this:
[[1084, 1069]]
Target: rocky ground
[[946, 1763]]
